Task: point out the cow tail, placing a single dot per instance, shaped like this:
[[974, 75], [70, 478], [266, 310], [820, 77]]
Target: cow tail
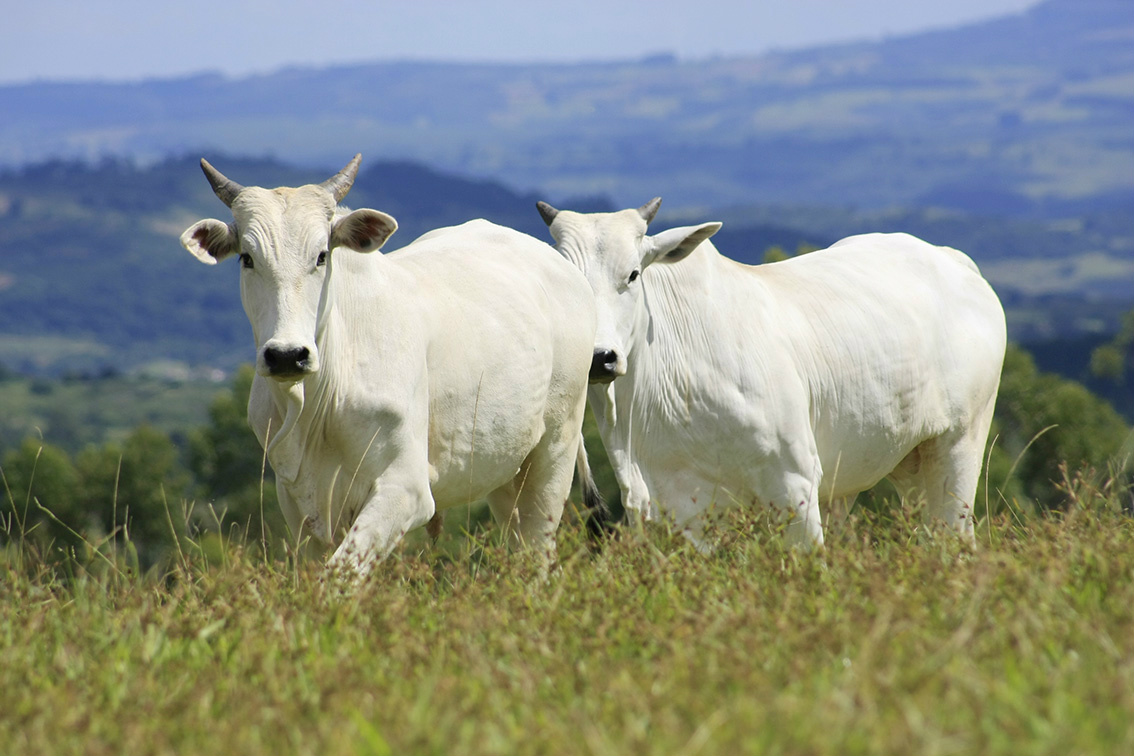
[[596, 514]]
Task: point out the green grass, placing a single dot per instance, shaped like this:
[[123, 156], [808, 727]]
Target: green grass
[[897, 640]]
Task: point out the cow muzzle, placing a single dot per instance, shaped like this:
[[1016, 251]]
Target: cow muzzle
[[606, 365], [287, 363]]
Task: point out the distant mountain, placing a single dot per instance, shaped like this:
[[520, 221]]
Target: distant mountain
[[1030, 114]]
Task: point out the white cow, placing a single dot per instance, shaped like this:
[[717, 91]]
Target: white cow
[[787, 384], [390, 387]]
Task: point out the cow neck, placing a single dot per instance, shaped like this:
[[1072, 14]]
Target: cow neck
[[302, 403], [674, 303], [320, 389], [679, 327], [285, 450]]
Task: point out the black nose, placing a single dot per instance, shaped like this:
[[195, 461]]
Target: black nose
[[284, 362], [602, 365]]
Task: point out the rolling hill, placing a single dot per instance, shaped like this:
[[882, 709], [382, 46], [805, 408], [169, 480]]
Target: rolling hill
[[1027, 114]]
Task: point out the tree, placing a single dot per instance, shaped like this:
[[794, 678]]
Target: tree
[[226, 460], [138, 487], [776, 253], [1044, 421], [39, 475], [1109, 360]]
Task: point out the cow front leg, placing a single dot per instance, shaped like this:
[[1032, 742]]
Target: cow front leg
[[804, 529], [795, 497], [386, 517]]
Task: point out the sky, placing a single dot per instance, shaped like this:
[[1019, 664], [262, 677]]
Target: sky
[[129, 40]]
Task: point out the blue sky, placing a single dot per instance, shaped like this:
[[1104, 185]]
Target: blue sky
[[137, 39]]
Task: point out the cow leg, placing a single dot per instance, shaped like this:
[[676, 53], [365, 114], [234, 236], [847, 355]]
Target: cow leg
[[790, 483], [391, 512], [805, 525], [946, 470], [964, 461], [303, 541], [531, 505], [953, 492], [951, 483], [435, 525]]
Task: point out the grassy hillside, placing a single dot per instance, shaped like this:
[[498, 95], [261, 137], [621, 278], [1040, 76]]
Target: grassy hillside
[[896, 641]]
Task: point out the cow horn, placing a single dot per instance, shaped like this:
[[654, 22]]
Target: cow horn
[[225, 188], [650, 209], [547, 212], [341, 182]]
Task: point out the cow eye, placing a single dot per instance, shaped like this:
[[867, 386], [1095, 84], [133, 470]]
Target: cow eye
[[322, 258], [634, 276], [246, 261]]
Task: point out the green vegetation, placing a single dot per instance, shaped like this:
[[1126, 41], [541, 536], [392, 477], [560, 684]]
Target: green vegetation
[[897, 640], [77, 411], [1109, 360], [78, 470], [1045, 428]]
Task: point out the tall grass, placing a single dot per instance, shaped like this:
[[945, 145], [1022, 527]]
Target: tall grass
[[897, 639]]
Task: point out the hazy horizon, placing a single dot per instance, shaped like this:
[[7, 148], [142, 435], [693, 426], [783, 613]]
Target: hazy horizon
[[132, 40]]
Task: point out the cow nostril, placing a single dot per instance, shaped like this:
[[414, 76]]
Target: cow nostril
[[603, 363], [287, 361]]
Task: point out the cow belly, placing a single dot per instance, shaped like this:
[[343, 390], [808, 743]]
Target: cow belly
[[852, 469], [479, 448]]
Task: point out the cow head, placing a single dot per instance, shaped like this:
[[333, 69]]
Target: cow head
[[614, 251], [283, 239]]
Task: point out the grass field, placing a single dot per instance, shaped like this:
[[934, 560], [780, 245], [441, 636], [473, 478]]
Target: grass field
[[896, 640]]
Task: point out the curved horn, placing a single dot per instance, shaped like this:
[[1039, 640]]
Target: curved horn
[[650, 209], [547, 212], [225, 188], [341, 182]]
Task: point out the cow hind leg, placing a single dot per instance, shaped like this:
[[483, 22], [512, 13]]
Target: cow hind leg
[[435, 525], [531, 505], [946, 471]]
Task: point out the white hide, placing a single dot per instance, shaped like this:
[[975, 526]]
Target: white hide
[[786, 384], [450, 370]]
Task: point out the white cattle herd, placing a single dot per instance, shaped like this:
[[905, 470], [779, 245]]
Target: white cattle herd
[[392, 386]]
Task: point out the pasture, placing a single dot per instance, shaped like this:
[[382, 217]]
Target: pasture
[[896, 640]]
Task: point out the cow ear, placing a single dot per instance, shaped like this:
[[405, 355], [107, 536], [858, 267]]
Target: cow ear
[[675, 244], [363, 230], [210, 241]]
